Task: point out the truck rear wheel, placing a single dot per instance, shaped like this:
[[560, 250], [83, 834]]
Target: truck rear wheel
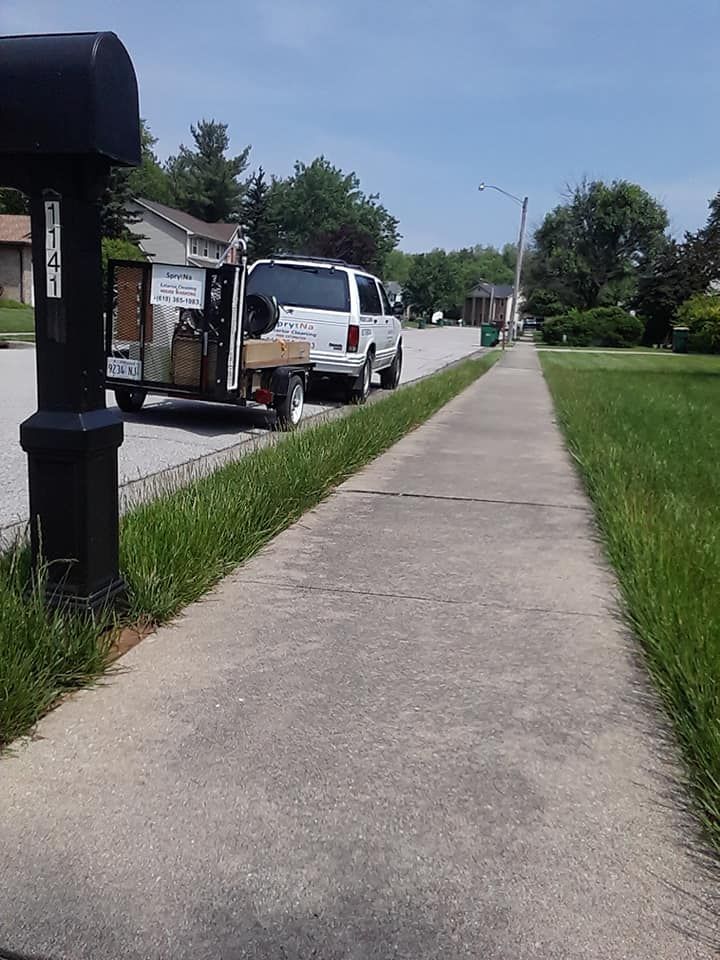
[[130, 400], [360, 389], [390, 378], [289, 409]]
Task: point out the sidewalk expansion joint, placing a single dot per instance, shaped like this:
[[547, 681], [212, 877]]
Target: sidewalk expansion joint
[[490, 604], [438, 496]]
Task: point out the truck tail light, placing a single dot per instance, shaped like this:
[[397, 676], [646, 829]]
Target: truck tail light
[[353, 341]]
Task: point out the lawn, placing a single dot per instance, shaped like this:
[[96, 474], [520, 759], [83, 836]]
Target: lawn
[[646, 434], [18, 319], [175, 548]]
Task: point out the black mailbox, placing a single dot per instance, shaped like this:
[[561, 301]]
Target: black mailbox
[[68, 95], [68, 113]]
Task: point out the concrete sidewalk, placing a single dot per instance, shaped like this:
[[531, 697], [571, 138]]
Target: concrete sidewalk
[[412, 727]]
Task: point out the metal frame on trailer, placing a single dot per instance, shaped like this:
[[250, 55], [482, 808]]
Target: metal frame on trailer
[[187, 353]]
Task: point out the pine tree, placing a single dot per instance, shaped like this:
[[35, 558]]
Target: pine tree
[[258, 217], [206, 183], [148, 181]]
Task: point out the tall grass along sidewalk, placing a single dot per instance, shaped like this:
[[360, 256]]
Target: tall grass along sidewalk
[[175, 548], [646, 435]]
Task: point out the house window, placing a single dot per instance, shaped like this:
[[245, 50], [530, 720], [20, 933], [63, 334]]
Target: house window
[[205, 247], [194, 246], [218, 251]]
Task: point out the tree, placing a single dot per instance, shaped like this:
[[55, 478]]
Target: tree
[[205, 182], [701, 313], [149, 181], [115, 203], [397, 265], [441, 280], [670, 279], [590, 250], [677, 273], [431, 284], [258, 217], [320, 207], [350, 242], [126, 184], [12, 201]]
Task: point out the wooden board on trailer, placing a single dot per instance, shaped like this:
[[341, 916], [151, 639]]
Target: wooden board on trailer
[[274, 353]]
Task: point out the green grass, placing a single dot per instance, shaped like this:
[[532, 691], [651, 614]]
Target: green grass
[[17, 318], [176, 547], [646, 435]]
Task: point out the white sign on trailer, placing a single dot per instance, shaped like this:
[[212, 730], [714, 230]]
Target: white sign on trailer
[[174, 286]]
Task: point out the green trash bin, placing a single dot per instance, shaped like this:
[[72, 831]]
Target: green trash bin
[[681, 335], [488, 335]]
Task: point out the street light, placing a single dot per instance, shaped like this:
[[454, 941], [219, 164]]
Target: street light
[[521, 249]]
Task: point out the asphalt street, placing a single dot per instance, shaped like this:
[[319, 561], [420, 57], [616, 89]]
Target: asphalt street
[[169, 433]]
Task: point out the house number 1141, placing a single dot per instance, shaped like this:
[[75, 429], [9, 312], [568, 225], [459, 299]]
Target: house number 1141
[[53, 258]]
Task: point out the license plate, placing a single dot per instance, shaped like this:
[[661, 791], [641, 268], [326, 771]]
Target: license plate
[[119, 368]]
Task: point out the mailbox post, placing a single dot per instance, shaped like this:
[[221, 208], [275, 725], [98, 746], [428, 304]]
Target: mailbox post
[[68, 112]]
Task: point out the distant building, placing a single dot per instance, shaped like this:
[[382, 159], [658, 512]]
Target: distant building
[[168, 235], [488, 303], [16, 273]]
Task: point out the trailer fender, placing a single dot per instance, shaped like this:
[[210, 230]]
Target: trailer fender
[[281, 378]]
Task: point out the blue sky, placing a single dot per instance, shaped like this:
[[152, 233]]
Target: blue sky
[[425, 99]]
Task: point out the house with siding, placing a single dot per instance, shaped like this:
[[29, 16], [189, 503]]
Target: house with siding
[[167, 235], [16, 273]]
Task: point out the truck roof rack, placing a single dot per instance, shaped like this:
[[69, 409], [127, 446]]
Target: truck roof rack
[[308, 259]]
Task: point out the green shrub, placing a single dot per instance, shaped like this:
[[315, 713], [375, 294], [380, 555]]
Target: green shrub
[[600, 327], [569, 328], [701, 314], [9, 304], [614, 327]]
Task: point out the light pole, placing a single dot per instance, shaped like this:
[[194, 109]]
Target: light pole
[[521, 249]]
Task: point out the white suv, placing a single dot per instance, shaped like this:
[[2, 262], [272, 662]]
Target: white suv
[[342, 311]]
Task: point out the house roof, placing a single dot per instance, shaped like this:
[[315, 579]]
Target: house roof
[[14, 228], [483, 291], [223, 232]]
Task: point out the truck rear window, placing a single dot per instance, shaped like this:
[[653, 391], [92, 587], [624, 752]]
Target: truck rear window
[[293, 285]]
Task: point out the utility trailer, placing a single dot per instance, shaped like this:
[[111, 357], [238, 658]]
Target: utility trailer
[[192, 333]]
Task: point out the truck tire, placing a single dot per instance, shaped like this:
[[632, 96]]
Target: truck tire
[[390, 377], [360, 388], [130, 399], [289, 409]]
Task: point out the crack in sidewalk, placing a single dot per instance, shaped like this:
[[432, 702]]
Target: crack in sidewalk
[[492, 604], [459, 499]]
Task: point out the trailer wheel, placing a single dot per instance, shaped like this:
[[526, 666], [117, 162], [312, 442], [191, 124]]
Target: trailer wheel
[[289, 408], [130, 400]]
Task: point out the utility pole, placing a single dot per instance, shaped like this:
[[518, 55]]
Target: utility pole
[[518, 266], [521, 248]]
